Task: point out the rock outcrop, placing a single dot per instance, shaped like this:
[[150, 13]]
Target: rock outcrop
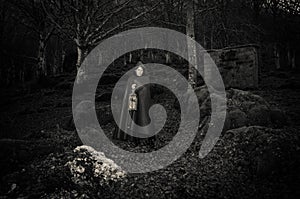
[[243, 109]]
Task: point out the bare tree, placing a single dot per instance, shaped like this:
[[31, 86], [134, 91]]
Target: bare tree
[[31, 15], [3, 18], [192, 52], [88, 22]]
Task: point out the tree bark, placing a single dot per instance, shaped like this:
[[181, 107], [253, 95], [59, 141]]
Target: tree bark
[[289, 56], [81, 54], [190, 31], [63, 57], [167, 19], [130, 58], [212, 39], [41, 65], [277, 56], [293, 59]]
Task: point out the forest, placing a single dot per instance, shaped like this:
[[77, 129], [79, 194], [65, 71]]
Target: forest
[[254, 44]]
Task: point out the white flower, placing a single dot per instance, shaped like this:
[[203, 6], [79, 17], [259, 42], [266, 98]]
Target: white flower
[[102, 167]]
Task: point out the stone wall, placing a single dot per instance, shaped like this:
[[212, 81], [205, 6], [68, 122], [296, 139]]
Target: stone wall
[[237, 65]]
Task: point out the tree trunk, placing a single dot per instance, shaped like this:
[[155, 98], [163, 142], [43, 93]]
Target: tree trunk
[[130, 58], [124, 60], [81, 72], [293, 59], [190, 31], [41, 65], [256, 10], [212, 39], [168, 58], [204, 36], [276, 57], [63, 57], [167, 19], [22, 73], [81, 54], [141, 57], [289, 56]]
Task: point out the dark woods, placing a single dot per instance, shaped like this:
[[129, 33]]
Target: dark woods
[[47, 38], [254, 43]]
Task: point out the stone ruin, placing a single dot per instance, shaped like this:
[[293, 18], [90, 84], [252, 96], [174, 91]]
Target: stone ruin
[[238, 66]]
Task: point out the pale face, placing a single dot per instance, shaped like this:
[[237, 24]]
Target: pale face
[[139, 71]]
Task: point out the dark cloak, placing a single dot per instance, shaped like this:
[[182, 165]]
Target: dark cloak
[[141, 115]]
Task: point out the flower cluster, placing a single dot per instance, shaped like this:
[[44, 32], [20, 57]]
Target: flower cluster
[[90, 166]]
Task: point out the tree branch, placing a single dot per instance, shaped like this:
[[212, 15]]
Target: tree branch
[[107, 19], [54, 22], [97, 40]]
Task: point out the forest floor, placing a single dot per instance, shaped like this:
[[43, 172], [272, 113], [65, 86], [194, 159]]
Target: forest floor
[[37, 139]]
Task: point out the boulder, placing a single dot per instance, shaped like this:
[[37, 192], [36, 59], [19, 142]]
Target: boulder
[[259, 115], [237, 118], [90, 168], [243, 109]]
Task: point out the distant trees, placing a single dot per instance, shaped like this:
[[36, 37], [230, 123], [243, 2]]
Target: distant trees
[[284, 33], [88, 22], [3, 18], [192, 50], [31, 14], [30, 29]]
